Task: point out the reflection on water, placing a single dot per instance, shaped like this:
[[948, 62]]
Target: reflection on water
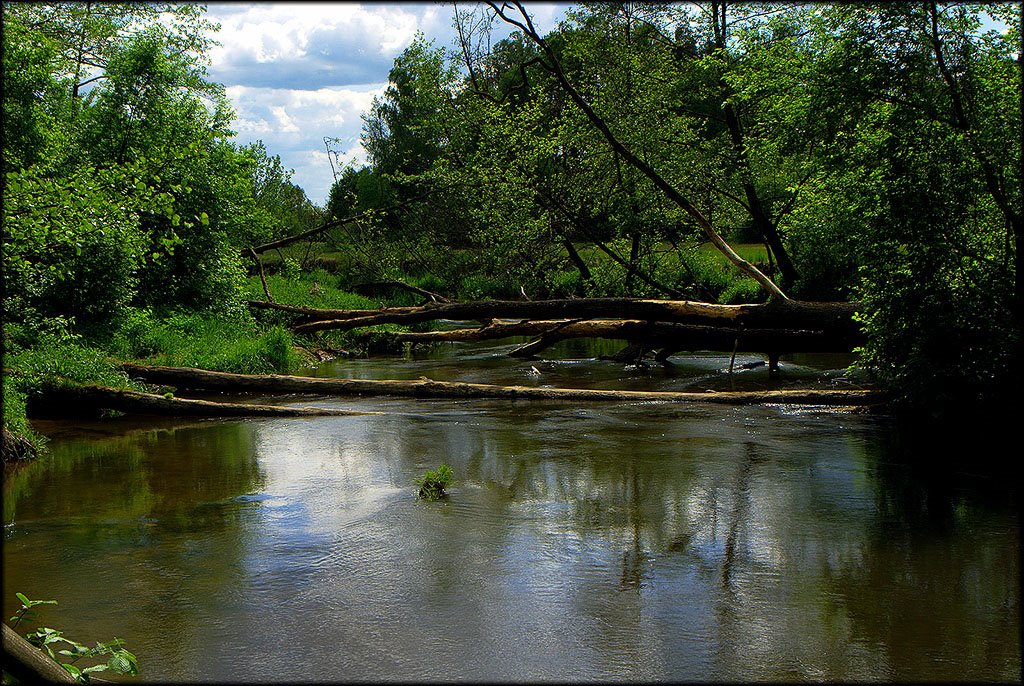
[[623, 541]]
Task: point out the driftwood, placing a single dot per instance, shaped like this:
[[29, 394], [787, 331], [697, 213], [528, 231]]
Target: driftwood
[[316, 313], [184, 377], [15, 448], [834, 317], [664, 335], [102, 397], [28, 664]]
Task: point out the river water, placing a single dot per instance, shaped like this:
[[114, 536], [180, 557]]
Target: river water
[[609, 541]]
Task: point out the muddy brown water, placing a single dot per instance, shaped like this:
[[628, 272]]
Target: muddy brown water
[[608, 541]]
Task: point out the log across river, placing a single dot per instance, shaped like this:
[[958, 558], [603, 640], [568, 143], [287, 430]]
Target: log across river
[[667, 325], [789, 314], [198, 379]]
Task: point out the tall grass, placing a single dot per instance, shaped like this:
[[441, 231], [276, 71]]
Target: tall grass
[[309, 289], [53, 357], [206, 341]]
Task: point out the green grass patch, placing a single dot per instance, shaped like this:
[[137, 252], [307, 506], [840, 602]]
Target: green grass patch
[[308, 289], [56, 357], [206, 341], [433, 483], [755, 253]]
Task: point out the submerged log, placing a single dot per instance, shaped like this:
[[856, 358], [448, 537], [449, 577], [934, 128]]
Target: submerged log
[[103, 397], [184, 377], [835, 317]]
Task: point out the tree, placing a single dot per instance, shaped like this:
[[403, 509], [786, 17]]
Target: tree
[[522, 21]]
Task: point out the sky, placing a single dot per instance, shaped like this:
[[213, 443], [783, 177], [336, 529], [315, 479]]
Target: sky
[[297, 72]]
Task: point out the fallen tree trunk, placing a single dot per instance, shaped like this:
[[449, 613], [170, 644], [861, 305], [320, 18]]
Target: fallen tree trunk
[[652, 334], [787, 314], [184, 377], [103, 397], [29, 664], [317, 314]]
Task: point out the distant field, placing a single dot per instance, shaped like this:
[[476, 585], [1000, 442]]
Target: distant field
[[751, 252]]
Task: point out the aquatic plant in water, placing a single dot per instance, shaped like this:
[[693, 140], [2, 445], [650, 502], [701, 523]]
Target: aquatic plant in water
[[433, 483]]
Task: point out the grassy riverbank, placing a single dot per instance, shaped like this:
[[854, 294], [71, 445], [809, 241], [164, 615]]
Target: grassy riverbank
[[235, 340]]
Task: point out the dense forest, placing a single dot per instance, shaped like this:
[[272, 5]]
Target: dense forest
[[723, 153]]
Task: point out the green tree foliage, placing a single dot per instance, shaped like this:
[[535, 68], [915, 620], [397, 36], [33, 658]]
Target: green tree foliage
[[122, 189], [871, 146], [123, 186], [936, 254]]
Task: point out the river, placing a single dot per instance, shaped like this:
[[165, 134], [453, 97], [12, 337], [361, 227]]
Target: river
[[608, 541]]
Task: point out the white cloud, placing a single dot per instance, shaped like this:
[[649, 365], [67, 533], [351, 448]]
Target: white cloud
[[303, 45], [293, 123], [297, 72]]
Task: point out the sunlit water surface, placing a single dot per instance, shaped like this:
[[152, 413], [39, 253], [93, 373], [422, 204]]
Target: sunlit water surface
[[619, 541]]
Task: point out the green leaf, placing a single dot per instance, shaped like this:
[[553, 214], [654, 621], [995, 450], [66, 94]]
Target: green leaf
[[72, 670], [123, 662], [24, 600], [204, 219]]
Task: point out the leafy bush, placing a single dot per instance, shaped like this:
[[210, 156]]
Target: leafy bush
[[73, 246], [935, 283]]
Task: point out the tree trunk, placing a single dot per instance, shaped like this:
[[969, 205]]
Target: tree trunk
[[634, 257], [28, 664], [762, 222], [581, 266], [426, 388], [665, 335], [835, 317], [75, 398]]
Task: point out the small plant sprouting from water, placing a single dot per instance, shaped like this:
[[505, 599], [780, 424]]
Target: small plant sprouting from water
[[433, 483], [120, 661]]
